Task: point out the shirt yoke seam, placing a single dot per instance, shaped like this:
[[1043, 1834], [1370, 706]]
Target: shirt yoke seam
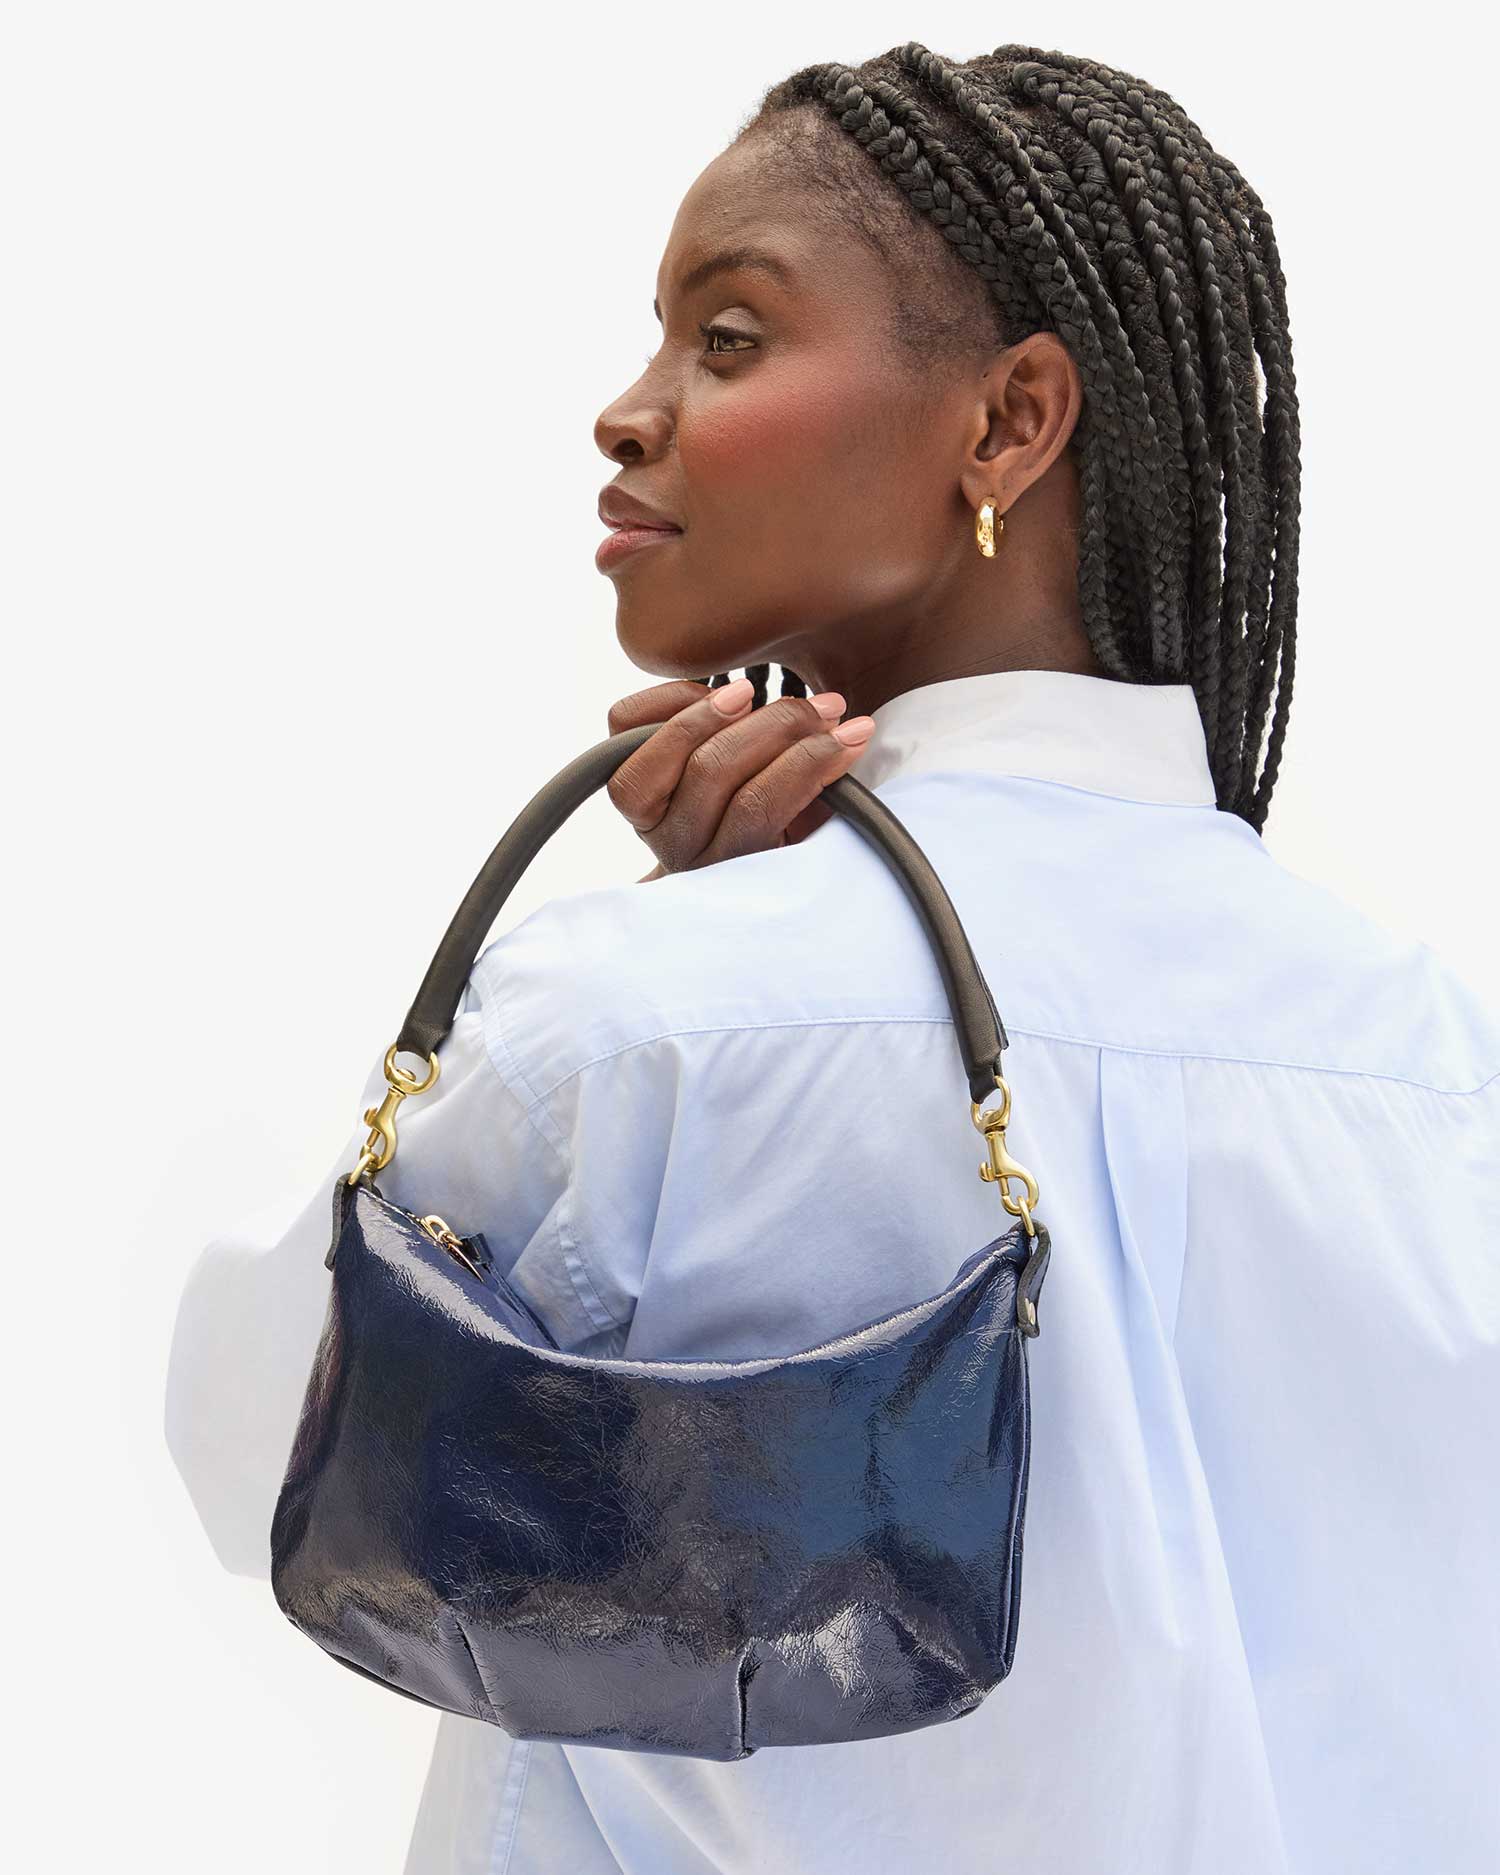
[[1011, 1029]]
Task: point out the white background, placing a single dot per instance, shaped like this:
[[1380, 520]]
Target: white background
[[309, 312]]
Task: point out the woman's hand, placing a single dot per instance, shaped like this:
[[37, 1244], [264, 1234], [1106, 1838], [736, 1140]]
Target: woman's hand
[[710, 785]]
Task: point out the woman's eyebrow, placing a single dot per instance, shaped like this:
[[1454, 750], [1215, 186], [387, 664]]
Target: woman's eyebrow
[[729, 261]]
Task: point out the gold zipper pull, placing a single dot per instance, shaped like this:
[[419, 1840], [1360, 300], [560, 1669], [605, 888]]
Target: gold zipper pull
[[443, 1234]]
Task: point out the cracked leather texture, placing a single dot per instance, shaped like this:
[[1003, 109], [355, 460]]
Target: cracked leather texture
[[695, 1557]]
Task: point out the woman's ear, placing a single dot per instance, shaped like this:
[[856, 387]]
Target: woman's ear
[[1027, 404]]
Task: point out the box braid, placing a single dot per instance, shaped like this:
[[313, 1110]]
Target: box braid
[[1089, 203]]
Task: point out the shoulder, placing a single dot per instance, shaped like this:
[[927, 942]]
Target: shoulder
[[590, 974], [1344, 991], [1178, 931], [1140, 929]]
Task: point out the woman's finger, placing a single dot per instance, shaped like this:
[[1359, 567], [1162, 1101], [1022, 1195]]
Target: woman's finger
[[689, 808], [654, 704], [808, 821], [643, 787], [784, 794]]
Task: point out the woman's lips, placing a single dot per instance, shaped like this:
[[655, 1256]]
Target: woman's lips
[[625, 540]]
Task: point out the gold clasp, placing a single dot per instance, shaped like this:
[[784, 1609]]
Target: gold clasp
[[999, 1169], [381, 1120]]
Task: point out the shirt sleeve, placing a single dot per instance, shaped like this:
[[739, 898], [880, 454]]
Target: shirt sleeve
[[479, 1148], [490, 1152]]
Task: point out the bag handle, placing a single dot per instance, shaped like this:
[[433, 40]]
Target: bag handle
[[981, 1034]]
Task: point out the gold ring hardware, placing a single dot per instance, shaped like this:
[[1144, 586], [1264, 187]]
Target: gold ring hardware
[[381, 1120], [443, 1233], [999, 1169]]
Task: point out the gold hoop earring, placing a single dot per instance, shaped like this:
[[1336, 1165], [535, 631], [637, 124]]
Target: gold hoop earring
[[988, 527]]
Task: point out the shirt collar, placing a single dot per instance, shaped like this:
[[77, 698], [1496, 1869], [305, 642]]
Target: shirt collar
[[1139, 742]]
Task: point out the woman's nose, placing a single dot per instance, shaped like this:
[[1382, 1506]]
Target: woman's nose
[[633, 426]]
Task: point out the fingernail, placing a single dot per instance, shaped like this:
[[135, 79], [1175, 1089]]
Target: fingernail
[[857, 730], [730, 697], [828, 703]]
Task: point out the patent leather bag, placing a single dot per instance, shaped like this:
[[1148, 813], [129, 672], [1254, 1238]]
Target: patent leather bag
[[696, 1557]]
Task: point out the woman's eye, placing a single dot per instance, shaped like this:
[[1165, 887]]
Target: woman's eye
[[738, 340]]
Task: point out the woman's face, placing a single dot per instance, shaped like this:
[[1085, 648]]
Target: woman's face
[[812, 471]]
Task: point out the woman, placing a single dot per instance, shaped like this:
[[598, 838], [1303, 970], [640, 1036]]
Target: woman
[[974, 409]]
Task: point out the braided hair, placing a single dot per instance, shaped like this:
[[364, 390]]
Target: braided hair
[[1087, 202]]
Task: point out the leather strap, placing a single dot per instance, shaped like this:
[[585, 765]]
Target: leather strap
[[981, 1035]]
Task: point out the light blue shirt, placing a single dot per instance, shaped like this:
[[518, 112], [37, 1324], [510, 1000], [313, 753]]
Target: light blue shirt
[[724, 1113]]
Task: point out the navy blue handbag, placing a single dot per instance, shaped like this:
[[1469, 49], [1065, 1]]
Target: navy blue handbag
[[696, 1557]]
